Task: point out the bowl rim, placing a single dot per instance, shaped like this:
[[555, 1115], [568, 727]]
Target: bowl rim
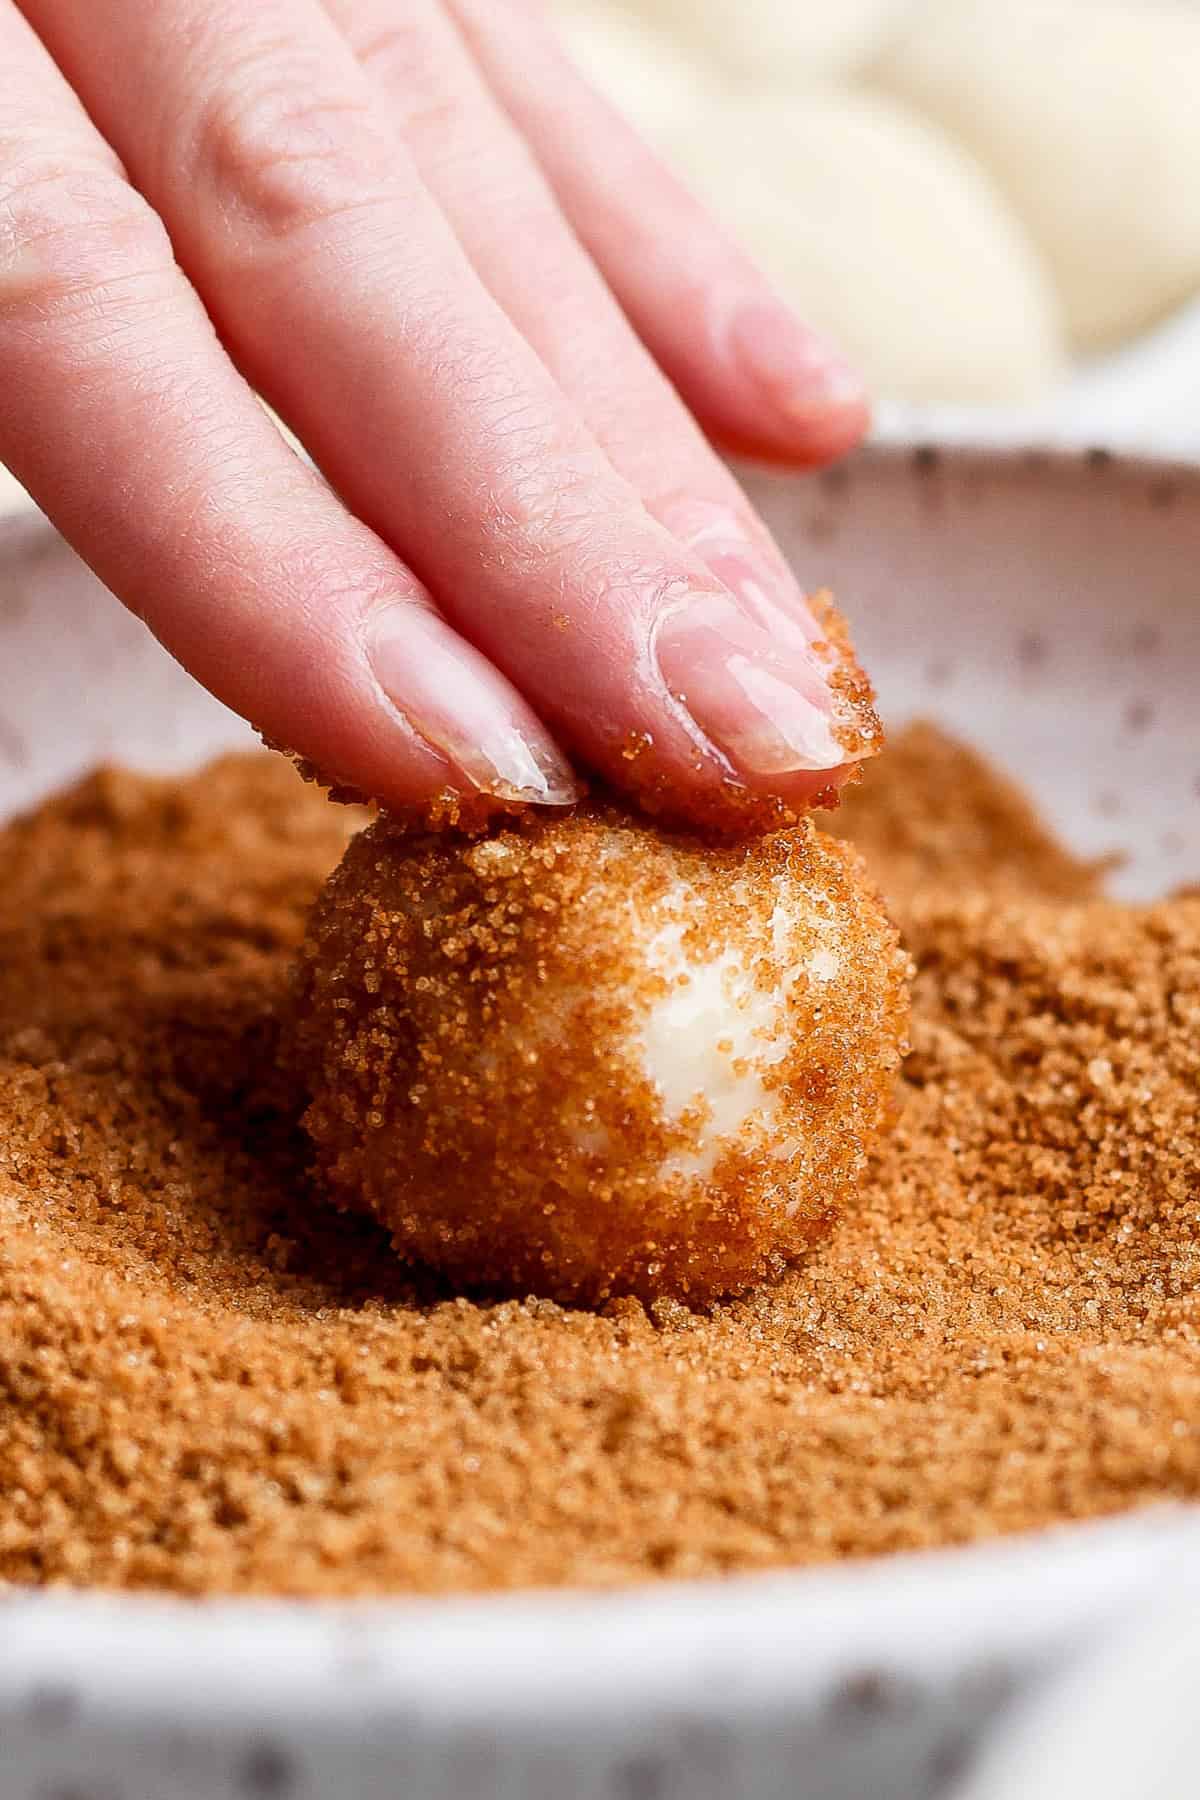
[[917, 1621]]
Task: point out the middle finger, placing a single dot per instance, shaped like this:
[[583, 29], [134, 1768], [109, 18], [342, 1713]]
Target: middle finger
[[509, 222]]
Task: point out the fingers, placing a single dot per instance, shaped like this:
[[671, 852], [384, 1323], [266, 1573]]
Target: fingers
[[122, 414], [346, 297], [757, 379], [505, 216]]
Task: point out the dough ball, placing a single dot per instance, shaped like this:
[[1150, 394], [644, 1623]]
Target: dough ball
[[767, 41], [652, 79], [580, 1057], [1087, 114], [887, 236]]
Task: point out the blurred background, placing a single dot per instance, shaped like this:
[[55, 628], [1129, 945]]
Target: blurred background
[[993, 205]]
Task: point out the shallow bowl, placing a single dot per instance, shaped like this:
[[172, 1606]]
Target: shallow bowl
[[1046, 608]]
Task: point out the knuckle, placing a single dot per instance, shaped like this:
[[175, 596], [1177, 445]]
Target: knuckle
[[396, 50], [333, 582], [407, 56], [543, 510], [68, 227], [437, 119], [536, 493], [282, 153], [550, 532]]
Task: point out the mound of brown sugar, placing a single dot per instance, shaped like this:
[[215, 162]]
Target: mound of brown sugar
[[211, 1381]]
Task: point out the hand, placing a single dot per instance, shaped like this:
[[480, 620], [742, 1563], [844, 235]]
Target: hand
[[466, 284]]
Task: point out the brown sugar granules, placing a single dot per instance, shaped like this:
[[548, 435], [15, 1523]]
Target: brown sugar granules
[[211, 1381]]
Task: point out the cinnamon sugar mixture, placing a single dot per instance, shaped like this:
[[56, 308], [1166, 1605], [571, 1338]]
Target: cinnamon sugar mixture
[[211, 1381]]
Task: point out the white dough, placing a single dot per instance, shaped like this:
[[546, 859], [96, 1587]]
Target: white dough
[[886, 236], [1087, 112], [715, 1032], [653, 80], [768, 41], [709, 1039]]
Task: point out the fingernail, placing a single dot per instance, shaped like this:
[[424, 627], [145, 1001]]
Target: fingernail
[[802, 375], [768, 709], [449, 695], [754, 573]]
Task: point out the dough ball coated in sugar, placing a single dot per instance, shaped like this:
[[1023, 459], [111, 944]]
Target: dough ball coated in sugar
[[581, 1057]]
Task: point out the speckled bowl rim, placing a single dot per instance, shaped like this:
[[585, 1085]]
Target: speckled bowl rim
[[887, 1666]]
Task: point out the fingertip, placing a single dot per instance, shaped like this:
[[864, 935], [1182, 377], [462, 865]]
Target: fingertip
[[808, 404], [455, 702], [780, 444], [816, 442], [822, 790]]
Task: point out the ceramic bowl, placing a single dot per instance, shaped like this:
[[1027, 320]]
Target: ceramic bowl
[[1043, 606], [1072, 1741]]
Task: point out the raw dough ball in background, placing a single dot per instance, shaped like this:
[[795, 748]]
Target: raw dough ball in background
[[583, 1057], [13, 497], [1087, 113], [884, 234], [1081, 118], [649, 76], [767, 41]]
